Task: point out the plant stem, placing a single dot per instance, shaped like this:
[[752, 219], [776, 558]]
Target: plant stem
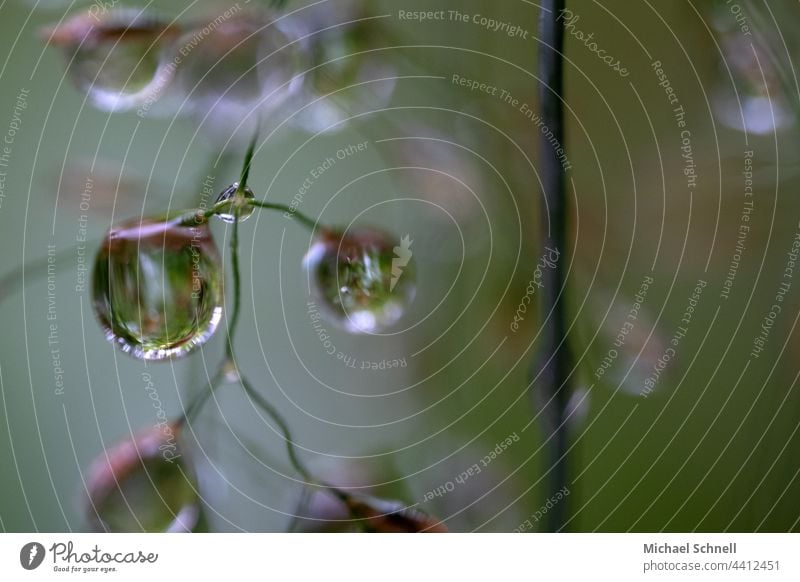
[[237, 289], [552, 362], [197, 404], [228, 369], [276, 416], [248, 161], [199, 218], [236, 270], [309, 223]]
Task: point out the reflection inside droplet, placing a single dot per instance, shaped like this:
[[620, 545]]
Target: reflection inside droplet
[[143, 484], [363, 279], [157, 287], [235, 205]]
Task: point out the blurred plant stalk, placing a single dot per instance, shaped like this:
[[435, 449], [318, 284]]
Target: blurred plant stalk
[[551, 365]]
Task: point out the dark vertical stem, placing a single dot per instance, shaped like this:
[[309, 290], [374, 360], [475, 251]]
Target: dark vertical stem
[[552, 361]]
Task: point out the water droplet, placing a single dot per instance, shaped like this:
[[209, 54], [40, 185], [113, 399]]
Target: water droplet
[[347, 77], [245, 209], [389, 516], [628, 349], [239, 69], [122, 59], [577, 409], [143, 484], [157, 286], [363, 280], [750, 89]]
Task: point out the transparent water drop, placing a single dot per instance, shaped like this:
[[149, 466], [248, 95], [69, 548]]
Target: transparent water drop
[[234, 204], [157, 286], [390, 516], [123, 58], [363, 279], [143, 484]]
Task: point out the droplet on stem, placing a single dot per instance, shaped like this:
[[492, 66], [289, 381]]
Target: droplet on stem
[[157, 287], [363, 279], [236, 205]]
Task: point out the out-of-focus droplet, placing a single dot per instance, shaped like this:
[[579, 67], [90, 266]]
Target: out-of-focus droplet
[[750, 94], [443, 170], [122, 58], [347, 78], [757, 114], [389, 516], [363, 279], [157, 286], [630, 346], [143, 484], [577, 408], [235, 205], [240, 68]]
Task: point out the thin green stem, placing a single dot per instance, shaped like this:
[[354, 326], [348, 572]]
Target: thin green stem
[[291, 450], [310, 223], [276, 416], [198, 218], [248, 162], [228, 368], [197, 404], [237, 289], [302, 503]]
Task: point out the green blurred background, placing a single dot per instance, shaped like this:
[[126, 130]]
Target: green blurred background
[[714, 447]]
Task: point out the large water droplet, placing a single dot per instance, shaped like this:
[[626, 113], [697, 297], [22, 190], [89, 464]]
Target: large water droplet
[[157, 286], [363, 279], [143, 484], [235, 203], [122, 59]]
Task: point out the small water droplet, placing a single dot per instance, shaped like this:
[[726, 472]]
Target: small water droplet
[[235, 203], [157, 287], [363, 279]]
